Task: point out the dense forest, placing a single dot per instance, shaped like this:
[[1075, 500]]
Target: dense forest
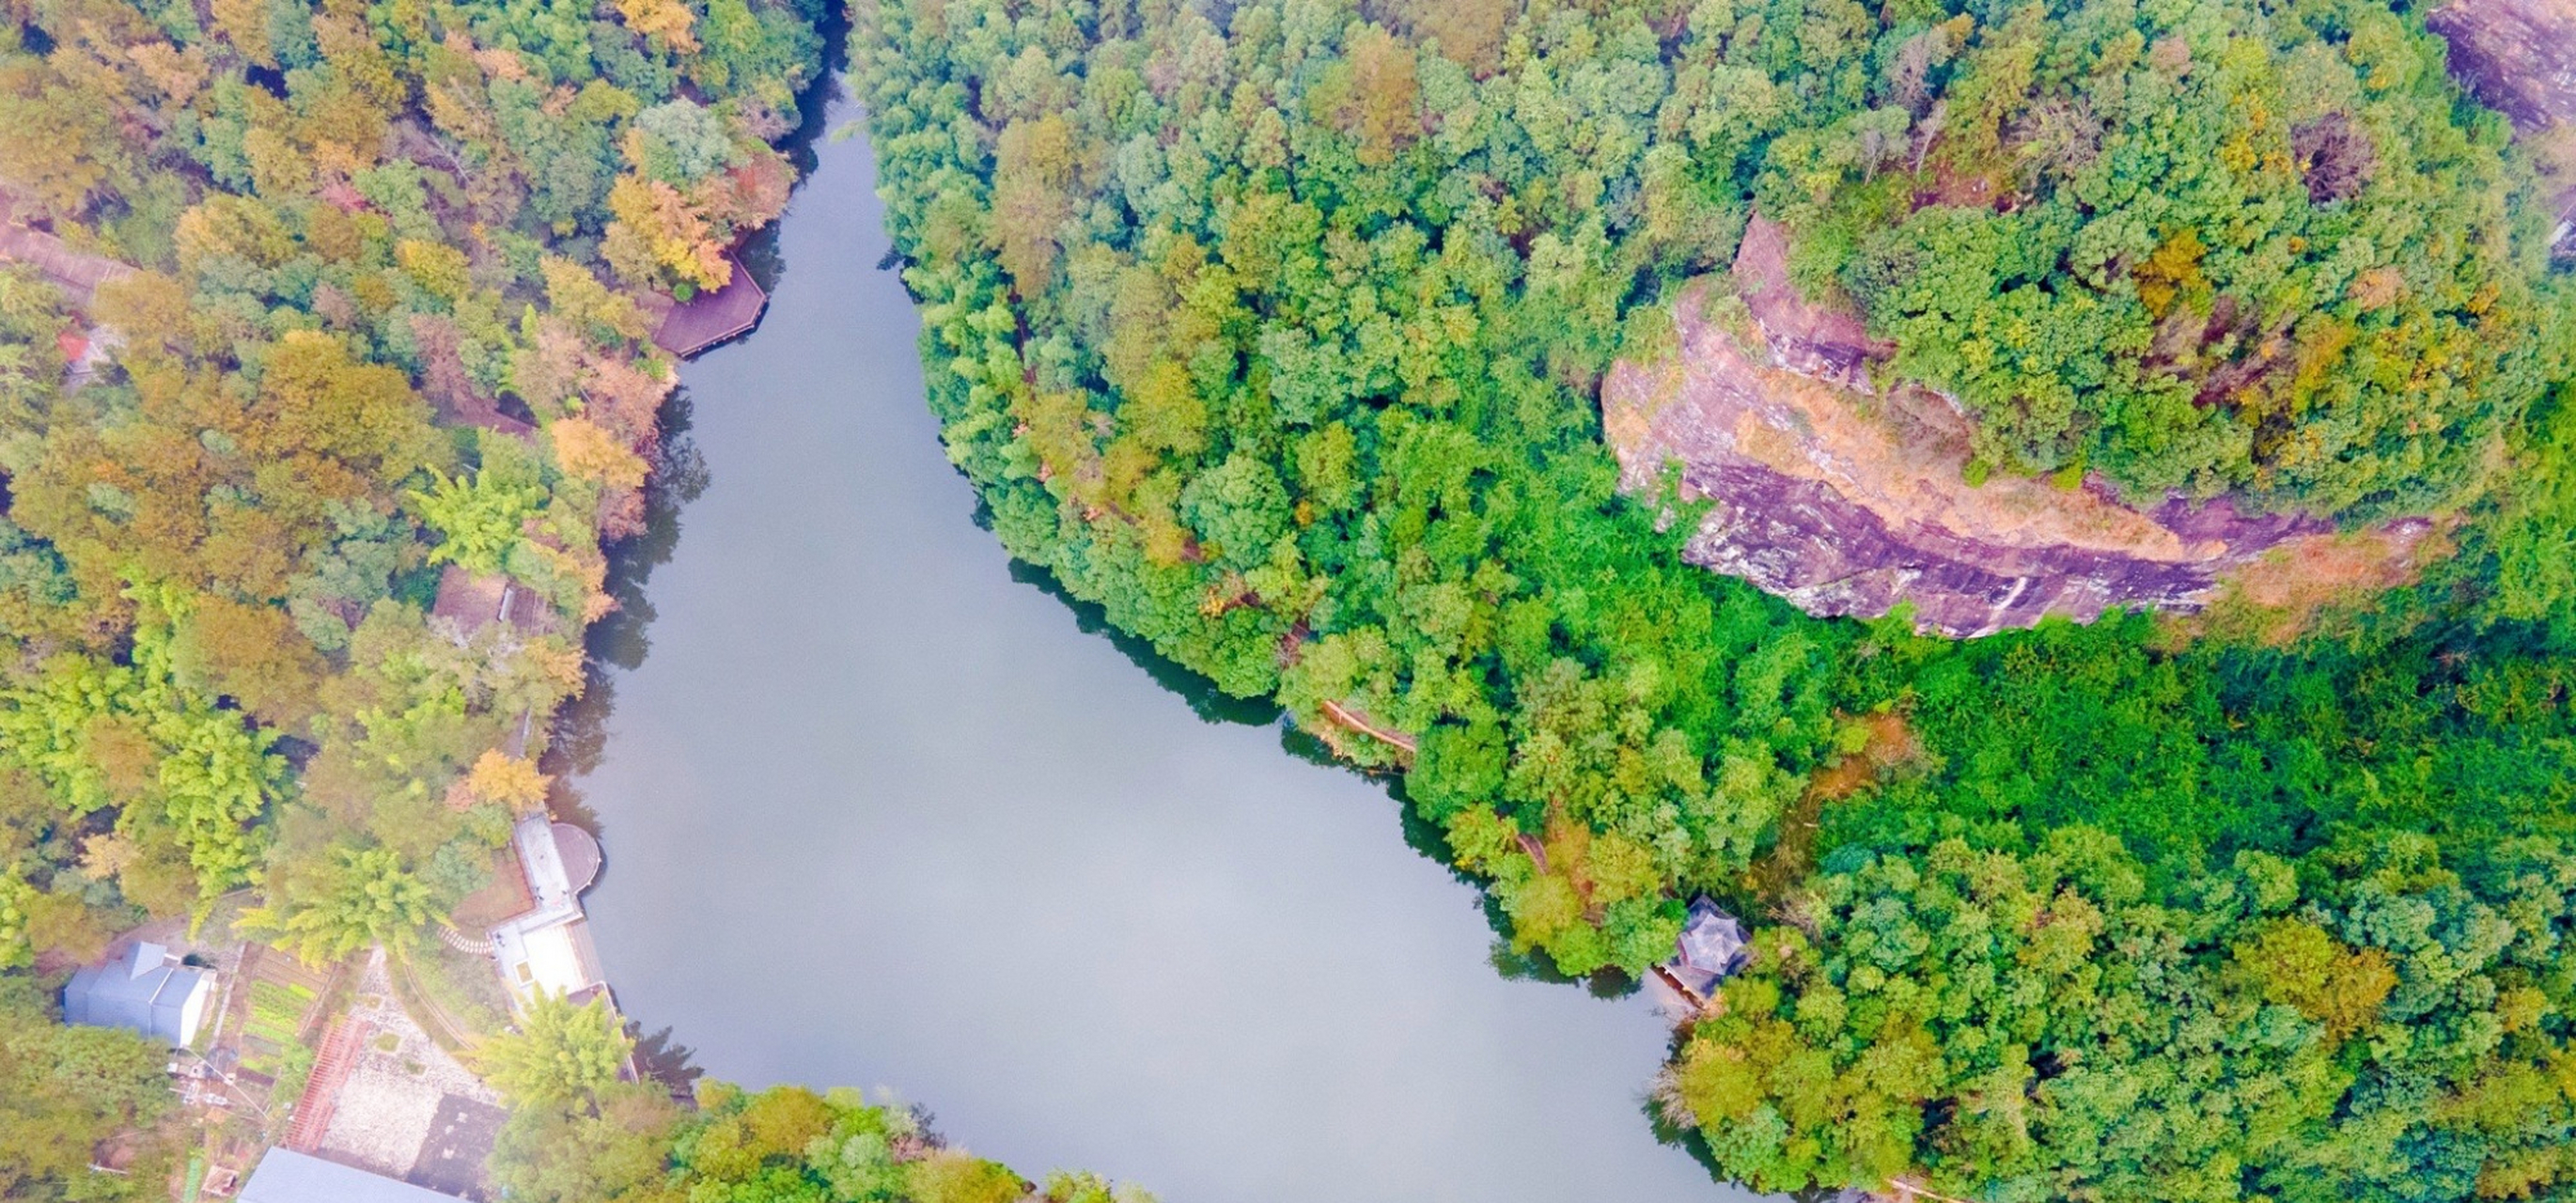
[[313, 307], [381, 318], [1275, 329]]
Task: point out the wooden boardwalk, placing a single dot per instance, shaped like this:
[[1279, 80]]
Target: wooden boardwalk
[[331, 1068], [78, 273], [1354, 720]]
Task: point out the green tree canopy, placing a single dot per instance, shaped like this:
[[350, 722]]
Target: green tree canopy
[[562, 1056]]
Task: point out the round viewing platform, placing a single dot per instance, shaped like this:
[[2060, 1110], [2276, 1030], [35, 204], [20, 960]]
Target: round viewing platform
[[580, 852]]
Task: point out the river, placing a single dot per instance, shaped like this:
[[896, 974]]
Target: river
[[881, 812]]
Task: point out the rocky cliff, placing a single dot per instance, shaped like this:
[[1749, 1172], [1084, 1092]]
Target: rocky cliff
[[1847, 501], [2518, 56]]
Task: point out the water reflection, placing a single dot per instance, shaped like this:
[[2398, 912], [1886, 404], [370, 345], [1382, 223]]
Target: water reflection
[[1213, 704], [620, 640]]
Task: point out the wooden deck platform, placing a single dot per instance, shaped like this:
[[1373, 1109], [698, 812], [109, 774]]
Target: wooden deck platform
[[711, 319]]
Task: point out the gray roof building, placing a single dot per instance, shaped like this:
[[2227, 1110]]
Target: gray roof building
[[286, 1176], [147, 991]]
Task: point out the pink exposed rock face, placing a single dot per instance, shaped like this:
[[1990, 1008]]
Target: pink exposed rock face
[[1847, 501], [2518, 56], [1828, 344]]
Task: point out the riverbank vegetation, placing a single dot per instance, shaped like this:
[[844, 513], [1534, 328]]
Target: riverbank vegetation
[[326, 373], [577, 1134], [371, 302], [1277, 336]]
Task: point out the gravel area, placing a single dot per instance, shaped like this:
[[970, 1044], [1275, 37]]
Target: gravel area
[[388, 1110], [383, 1118]]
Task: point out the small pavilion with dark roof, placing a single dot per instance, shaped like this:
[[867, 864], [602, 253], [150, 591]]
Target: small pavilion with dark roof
[[579, 851], [1711, 948]]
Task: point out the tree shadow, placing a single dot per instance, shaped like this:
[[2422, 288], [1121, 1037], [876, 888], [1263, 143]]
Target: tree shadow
[[666, 1061], [1205, 699], [620, 641]]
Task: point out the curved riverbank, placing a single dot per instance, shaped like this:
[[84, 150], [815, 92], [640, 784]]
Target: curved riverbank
[[881, 813]]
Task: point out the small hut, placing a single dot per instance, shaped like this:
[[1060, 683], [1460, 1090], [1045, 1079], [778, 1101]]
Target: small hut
[[1711, 947], [76, 272], [470, 603], [286, 1176]]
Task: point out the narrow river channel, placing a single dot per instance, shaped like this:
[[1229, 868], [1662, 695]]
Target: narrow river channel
[[880, 812]]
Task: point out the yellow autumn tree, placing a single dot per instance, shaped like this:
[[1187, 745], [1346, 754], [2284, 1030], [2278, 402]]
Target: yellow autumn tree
[[585, 450], [2297, 964], [244, 23], [578, 296], [1034, 169], [664, 22], [658, 233], [510, 780], [1384, 97]]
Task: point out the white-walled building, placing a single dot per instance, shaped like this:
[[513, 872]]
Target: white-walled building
[[147, 991]]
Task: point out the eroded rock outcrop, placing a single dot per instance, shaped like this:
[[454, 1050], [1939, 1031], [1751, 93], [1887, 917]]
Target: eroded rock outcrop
[[2519, 58], [1847, 501], [2516, 56]]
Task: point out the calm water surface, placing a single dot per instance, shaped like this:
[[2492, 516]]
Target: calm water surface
[[881, 814]]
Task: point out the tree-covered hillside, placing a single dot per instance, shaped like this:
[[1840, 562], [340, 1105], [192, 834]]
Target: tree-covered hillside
[[1274, 327], [375, 313], [2257, 248], [307, 305]]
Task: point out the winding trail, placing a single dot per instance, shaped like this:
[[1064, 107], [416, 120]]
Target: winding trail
[[463, 943], [1354, 720]]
